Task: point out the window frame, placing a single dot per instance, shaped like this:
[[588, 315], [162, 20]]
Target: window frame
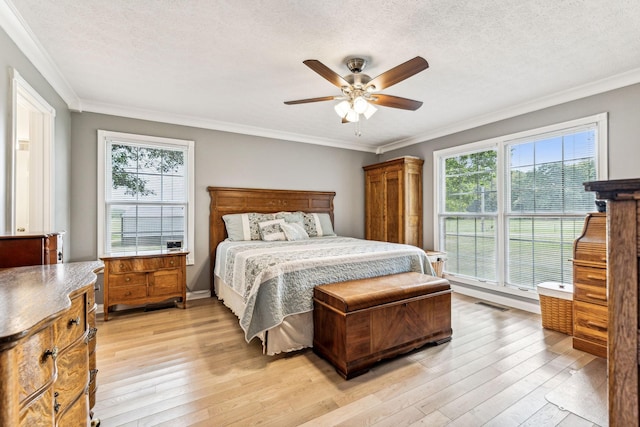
[[500, 144], [104, 136]]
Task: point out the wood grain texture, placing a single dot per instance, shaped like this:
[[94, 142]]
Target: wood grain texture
[[144, 279], [45, 368], [497, 370], [623, 322], [623, 248], [393, 201], [30, 249]]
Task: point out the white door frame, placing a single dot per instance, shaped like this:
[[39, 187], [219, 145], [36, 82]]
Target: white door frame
[[42, 121]]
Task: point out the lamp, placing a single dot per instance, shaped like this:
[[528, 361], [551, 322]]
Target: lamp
[[350, 109]]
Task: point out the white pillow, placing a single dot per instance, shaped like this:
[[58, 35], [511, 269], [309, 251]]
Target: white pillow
[[294, 231], [271, 230]]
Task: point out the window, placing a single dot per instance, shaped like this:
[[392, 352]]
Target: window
[[509, 209], [145, 192]]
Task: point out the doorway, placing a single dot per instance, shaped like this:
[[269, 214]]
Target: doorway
[[32, 161]]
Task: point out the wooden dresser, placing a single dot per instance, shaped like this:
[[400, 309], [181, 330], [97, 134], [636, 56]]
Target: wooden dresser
[[31, 249], [590, 314], [393, 201], [47, 344], [144, 279], [623, 282]]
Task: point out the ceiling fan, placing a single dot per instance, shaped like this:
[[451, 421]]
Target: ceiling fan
[[360, 92]]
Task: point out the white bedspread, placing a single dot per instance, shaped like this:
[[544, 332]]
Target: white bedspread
[[276, 279]]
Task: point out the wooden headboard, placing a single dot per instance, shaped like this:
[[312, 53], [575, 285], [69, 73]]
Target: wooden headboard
[[226, 200]]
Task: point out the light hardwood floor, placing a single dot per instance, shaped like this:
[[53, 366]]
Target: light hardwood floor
[[175, 367]]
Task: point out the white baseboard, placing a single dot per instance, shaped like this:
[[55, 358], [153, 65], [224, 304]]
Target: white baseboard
[[533, 306], [190, 296]]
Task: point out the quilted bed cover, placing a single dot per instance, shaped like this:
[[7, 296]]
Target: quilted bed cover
[[276, 279]]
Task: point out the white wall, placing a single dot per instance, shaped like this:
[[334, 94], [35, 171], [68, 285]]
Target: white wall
[[222, 159]]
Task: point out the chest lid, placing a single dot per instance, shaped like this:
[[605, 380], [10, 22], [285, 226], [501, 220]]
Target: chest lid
[[365, 293]]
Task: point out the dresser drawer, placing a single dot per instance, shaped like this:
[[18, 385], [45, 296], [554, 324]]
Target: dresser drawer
[[143, 264], [128, 280], [32, 415], [36, 363], [590, 321], [73, 376], [71, 325], [590, 276], [596, 294], [124, 293]]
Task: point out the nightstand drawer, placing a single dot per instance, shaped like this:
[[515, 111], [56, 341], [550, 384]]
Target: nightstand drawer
[[117, 294], [590, 321], [596, 294], [590, 276], [129, 279]]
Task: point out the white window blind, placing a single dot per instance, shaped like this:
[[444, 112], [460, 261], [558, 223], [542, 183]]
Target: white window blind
[[147, 192], [509, 209]]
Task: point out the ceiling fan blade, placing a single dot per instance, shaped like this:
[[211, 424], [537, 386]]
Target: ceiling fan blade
[[395, 102], [399, 73], [334, 78], [304, 101]]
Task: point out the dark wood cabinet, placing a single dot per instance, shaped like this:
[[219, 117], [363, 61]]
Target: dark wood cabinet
[[18, 250], [623, 297], [393, 201]]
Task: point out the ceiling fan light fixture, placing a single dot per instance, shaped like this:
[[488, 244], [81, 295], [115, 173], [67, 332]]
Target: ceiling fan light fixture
[[342, 108], [360, 105], [369, 111], [352, 116]]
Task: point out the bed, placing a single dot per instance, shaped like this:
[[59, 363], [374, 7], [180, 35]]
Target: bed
[[273, 300]]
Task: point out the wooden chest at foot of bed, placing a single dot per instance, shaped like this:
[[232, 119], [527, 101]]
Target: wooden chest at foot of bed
[[360, 322]]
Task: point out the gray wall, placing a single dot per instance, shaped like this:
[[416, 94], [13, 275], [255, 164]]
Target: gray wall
[[623, 139], [222, 159], [12, 57]]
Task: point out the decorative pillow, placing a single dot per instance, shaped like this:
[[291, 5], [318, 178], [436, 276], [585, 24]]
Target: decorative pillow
[[294, 231], [318, 224], [245, 226], [271, 230]]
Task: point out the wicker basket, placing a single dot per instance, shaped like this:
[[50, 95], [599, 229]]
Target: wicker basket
[[556, 306], [437, 260]]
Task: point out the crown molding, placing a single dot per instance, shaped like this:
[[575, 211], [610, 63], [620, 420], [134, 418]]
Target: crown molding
[[600, 86], [18, 30], [204, 123]]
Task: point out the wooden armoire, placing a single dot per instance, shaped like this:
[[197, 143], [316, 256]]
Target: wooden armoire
[[393, 201]]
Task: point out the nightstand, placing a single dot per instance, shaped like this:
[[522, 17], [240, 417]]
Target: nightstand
[[144, 279]]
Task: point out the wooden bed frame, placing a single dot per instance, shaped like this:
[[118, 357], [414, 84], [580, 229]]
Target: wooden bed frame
[[225, 200]]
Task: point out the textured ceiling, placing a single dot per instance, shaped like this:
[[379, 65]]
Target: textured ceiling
[[229, 65]]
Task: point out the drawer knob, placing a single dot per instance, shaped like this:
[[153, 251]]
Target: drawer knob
[[75, 321], [171, 262], [596, 296], [53, 353], [595, 325], [121, 265], [128, 279]]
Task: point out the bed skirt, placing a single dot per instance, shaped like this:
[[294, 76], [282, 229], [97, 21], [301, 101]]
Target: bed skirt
[[294, 333]]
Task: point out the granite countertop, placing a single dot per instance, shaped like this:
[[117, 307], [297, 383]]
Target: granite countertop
[[31, 295]]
